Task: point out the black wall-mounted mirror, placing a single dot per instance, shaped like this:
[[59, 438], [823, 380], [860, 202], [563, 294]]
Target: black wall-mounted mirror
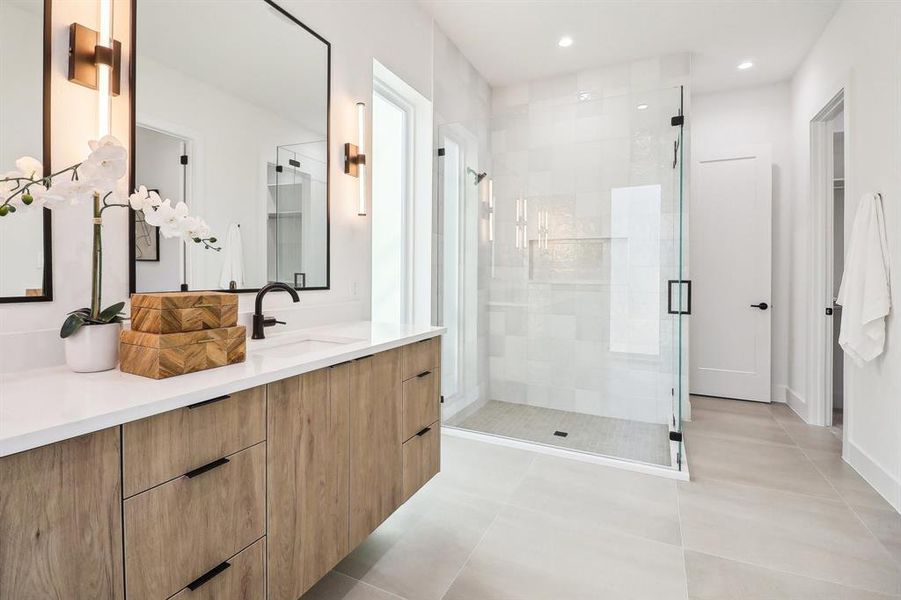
[[26, 273], [231, 115]]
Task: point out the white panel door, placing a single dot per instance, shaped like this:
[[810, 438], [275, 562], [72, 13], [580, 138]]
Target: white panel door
[[731, 268]]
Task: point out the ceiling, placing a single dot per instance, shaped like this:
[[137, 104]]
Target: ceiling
[[512, 41]]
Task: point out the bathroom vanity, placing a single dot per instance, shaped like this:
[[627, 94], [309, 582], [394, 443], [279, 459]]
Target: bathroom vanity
[[248, 481]]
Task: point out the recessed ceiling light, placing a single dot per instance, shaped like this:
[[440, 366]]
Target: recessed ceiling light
[[565, 42], [583, 96], [745, 65], [642, 107]]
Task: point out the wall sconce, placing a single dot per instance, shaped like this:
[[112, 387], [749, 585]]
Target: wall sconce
[[522, 223], [544, 228], [355, 157], [491, 211], [88, 55]]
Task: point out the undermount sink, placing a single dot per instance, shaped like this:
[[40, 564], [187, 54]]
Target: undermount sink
[[297, 345]]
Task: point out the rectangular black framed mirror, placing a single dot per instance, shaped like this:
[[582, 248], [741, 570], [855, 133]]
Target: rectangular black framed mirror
[[26, 271], [230, 114]]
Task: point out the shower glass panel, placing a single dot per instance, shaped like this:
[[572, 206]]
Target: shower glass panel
[[296, 210], [579, 237]]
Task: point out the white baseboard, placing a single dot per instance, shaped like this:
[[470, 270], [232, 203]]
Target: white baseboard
[[570, 454], [880, 479], [796, 403]]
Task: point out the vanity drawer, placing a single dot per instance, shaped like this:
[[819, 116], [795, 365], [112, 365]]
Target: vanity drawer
[[421, 401], [420, 356], [159, 448], [422, 459], [241, 579], [176, 532]]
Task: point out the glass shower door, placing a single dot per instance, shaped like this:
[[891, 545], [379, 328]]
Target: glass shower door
[[580, 232]]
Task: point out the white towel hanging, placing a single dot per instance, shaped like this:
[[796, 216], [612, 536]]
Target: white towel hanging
[[865, 293], [233, 259]]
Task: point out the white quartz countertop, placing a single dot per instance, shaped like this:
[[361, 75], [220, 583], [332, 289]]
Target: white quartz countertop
[[43, 406]]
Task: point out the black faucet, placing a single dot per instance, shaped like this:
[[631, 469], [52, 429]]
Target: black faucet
[[259, 321]]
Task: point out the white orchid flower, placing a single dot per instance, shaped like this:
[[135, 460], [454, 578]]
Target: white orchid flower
[[107, 140], [104, 166], [75, 191], [144, 199], [193, 228], [46, 197], [30, 167], [167, 218]]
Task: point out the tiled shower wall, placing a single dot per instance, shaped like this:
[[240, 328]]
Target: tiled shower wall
[[585, 238]]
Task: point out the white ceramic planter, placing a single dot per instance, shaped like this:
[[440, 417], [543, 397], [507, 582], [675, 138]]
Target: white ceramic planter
[[93, 348]]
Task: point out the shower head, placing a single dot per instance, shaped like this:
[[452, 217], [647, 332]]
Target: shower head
[[479, 176]]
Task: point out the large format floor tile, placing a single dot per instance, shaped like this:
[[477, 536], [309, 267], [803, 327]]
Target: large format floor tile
[[336, 586], [772, 513], [607, 497], [736, 426], [803, 535], [417, 553], [528, 555], [765, 465], [479, 468], [713, 578]]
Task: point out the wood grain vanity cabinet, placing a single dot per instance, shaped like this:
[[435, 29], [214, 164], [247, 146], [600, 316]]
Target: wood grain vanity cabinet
[[253, 495], [168, 445], [60, 520], [376, 459], [308, 478], [421, 414]]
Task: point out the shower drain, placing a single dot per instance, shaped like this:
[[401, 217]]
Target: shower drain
[[561, 433]]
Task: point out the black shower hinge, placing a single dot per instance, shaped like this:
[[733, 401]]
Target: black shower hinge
[[183, 159], [440, 151], [675, 436], [678, 121], [293, 162], [279, 168]]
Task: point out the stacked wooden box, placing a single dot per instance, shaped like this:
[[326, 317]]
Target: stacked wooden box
[[173, 333]]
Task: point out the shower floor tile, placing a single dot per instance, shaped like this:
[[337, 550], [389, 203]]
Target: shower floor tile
[[606, 436]]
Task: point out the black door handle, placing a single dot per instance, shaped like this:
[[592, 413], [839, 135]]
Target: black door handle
[[761, 306]]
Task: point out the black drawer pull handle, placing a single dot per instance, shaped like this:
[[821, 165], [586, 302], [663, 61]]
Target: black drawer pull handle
[[208, 467], [210, 401], [424, 373], [208, 575], [424, 431]]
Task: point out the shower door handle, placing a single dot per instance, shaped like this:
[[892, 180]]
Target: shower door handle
[[761, 306], [669, 297]]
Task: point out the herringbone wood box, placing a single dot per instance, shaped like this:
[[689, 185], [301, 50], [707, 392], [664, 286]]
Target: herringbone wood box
[[165, 355], [175, 312]]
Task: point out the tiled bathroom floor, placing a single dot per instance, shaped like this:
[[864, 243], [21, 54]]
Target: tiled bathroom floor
[[772, 513], [619, 438]]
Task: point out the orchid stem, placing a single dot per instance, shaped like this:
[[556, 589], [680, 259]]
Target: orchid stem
[[97, 260]]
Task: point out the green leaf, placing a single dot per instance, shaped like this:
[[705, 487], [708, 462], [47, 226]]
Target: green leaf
[[111, 312], [72, 324], [81, 311]]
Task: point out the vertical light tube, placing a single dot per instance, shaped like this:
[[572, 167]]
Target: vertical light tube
[[490, 211], [361, 166], [103, 71]]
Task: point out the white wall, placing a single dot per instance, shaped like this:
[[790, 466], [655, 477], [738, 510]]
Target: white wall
[[398, 34], [860, 50], [753, 116]]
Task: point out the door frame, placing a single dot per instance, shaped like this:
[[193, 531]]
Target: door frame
[[736, 152], [820, 342]]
